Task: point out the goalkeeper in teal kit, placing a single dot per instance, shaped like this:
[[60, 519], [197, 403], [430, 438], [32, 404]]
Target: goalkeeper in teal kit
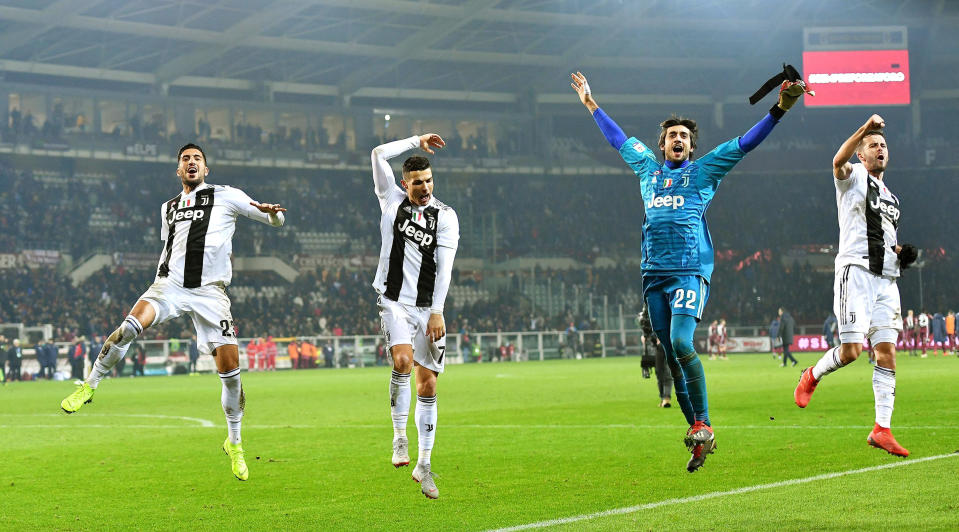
[[677, 251]]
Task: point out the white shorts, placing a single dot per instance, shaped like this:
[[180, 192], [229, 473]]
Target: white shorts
[[208, 306], [404, 324], [866, 305]]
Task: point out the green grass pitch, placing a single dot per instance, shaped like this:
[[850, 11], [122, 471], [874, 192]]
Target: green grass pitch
[[517, 443]]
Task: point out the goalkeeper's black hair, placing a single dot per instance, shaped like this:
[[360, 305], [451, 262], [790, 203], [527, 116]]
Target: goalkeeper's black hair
[[674, 120]]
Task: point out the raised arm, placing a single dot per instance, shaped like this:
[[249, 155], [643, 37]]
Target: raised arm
[[614, 134], [758, 133], [383, 180], [789, 93], [841, 167]]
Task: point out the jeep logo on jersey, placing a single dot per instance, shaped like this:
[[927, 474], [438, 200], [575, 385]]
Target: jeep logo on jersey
[[665, 201], [196, 214], [416, 235], [888, 208]]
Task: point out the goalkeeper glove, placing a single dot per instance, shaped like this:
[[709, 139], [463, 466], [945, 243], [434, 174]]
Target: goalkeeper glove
[[789, 93], [908, 255]]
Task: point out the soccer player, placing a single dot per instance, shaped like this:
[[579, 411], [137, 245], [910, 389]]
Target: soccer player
[[420, 235], [677, 249], [712, 340], [866, 297], [923, 336], [197, 228], [909, 335], [723, 338], [951, 332]]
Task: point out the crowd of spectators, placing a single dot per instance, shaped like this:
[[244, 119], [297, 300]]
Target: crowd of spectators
[[23, 125], [501, 217], [251, 135]]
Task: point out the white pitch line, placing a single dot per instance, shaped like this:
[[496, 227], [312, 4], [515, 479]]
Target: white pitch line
[[100, 426], [684, 427], [203, 422], [717, 494], [181, 427]]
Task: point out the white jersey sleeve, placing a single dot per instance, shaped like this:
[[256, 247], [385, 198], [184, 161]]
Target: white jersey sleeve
[[448, 232], [241, 203], [856, 177], [384, 183], [444, 274]]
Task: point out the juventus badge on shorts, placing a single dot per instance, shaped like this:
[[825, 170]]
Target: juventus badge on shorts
[[852, 317]]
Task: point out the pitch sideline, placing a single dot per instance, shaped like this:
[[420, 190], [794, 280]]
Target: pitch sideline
[[717, 494]]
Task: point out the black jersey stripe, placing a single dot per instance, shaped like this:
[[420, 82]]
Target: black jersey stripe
[[196, 239], [874, 238], [394, 276], [427, 279], [164, 269]]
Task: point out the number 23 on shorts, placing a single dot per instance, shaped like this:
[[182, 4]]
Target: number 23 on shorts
[[229, 330]]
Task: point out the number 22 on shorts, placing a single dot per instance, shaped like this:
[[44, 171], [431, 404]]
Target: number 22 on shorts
[[688, 295]]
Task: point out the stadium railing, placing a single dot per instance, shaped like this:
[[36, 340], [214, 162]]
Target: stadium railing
[[169, 357]]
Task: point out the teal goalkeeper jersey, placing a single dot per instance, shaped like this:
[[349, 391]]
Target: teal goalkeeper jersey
[[676, 238]]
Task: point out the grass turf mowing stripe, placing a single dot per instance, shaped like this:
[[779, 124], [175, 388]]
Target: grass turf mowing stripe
[[717, 494]]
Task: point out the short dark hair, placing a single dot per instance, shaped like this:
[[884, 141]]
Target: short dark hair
[[415, 164], [190, 146], [674, 120], [870, 133]]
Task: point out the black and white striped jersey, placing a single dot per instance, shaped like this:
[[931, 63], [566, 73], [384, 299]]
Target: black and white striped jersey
[[413, 269], [197, 231], [868, 221]]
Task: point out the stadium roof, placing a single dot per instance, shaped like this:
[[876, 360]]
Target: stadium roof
[[485, 50]]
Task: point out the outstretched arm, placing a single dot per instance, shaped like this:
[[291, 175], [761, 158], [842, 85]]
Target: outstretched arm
[[273, 211], [383, 180], [614, 134], [758, 133], [789, 93], [268, 213], [841, 167]]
